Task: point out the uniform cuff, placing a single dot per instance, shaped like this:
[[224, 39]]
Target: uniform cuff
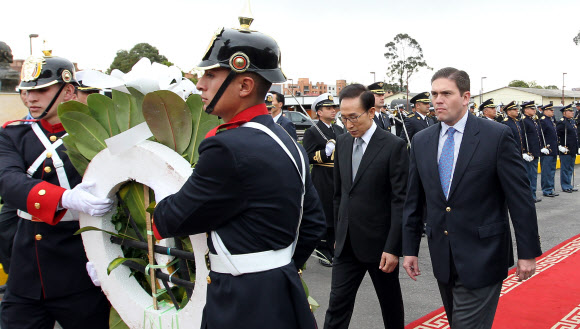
[[155, 231], [42, 202]]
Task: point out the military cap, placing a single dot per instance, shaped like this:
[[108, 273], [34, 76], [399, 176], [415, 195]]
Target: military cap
[[82, 86], [511, 105], [472, 105], [527, 105], [269, 99], [421, 98], [567, 108], [325, 99], [578, 103], [547, 107], [486, 104], [377, 88]]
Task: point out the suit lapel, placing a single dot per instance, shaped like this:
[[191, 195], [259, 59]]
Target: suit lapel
[[370, 153], [347, 156], [468, 145], [431, 155]]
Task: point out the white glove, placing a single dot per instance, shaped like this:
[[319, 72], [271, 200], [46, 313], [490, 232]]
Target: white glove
[[562, 149], [329, 148], [527, 157], [545, 151], [391, 115], [93, 274], [80, 199]]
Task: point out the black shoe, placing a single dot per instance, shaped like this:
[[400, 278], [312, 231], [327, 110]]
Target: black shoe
[[567, 191], [551, 195], [574, 189], [536, 200], [325, 263]]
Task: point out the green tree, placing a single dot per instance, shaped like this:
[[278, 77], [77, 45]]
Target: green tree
[[519, 83], [534, 84], [577, 39], [405, 57], [395, 88], [125, 60], [551, 87]]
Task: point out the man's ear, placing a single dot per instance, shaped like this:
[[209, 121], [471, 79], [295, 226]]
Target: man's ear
[[466, 98], [247, 86], [69, 93], [372, 112]]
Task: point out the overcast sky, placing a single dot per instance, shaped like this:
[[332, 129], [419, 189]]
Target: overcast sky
[[502, 40]]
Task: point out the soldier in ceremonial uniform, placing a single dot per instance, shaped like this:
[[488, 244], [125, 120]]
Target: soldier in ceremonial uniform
[[419, 120], [568, 147], [548, 160], [48, 278], [381, 119], [250, 192], [320, 151], [487, 108], [577, 117], [515, 124], [533, 145]]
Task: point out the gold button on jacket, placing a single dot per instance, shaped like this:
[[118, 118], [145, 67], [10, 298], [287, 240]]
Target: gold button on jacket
[[49, 155], [37, 205], [53, 138], [208, 280], [446, 233], [47, 169], [38, 237], [448, 209], [42, 192]]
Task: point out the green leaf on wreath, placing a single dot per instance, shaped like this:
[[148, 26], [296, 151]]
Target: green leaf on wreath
[[118, 261], [138, 96], [78, 160], [92, 228], [72, 106], [202, 124], [88, 134], [103, 110], [128, 113], [313, 304], [169, 119], [115, 321], [133, 196]]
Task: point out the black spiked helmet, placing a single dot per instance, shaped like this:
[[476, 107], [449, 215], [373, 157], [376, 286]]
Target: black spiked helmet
[[41, 72], [244, 51]]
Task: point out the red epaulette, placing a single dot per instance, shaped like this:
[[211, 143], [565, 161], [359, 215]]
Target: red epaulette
[[225, 126], [10, 122]]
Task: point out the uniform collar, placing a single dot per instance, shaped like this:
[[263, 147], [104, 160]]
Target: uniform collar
[[52, 129], [240, 118]]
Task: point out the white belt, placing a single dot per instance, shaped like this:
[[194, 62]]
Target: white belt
[[56, 161], [254, 262], [225, 262], [70, 216]]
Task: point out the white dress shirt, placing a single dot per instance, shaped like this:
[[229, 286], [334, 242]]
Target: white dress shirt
[[457, 138], [366, 137]]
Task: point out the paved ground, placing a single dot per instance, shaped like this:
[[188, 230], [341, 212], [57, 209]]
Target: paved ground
[[558, 220]]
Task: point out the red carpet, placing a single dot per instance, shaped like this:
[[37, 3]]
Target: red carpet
[[550, 299]]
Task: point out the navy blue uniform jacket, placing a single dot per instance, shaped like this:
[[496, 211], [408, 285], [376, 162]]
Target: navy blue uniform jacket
[[472, 225], [288, 126], [567, 135], [48, 261], [550, 135], [534, 138], [246, 188]]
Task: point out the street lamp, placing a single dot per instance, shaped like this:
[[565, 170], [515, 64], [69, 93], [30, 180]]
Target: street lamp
[[374, 77], [30, 36], [481, 93], [563, 74]]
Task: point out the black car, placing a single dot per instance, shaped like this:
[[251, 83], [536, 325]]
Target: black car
[[300, 120]]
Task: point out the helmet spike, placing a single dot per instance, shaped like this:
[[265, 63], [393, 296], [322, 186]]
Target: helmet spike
[[246, 18]]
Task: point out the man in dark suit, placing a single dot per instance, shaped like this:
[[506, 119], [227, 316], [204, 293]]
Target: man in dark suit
[[468, 173], [279, 118], [370, 172], [381, 119], [319, 144], [419, 120]]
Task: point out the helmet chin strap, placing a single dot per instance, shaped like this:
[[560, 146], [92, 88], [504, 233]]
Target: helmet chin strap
[[51, 103], [220, 92]]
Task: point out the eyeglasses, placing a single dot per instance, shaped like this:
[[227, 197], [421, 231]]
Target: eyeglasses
[[352, 119]]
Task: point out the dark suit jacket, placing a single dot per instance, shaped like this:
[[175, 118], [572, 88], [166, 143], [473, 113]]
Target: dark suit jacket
[[288, 126], [472, 225], [384, 123], [369, 209], [414, 123]]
